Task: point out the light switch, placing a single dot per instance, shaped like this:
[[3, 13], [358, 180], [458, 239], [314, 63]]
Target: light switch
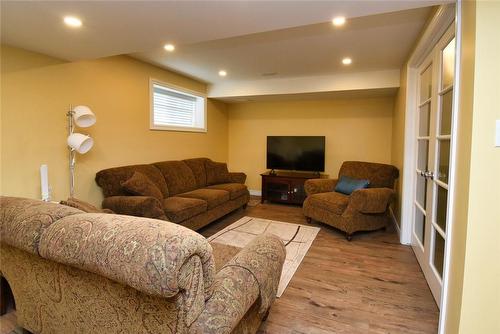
[[497, 134]]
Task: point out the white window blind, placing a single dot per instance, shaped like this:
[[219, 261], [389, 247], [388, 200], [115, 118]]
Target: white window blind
[[176, 110]]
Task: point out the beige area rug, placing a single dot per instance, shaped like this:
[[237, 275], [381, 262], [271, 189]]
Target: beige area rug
[[297, 238]]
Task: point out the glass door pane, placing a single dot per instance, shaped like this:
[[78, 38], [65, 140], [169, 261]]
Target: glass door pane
[[443, 160], [441, 206], [438, 258], [426, 84], [419, 226], [448, 65], [446, 108], [424, 121]]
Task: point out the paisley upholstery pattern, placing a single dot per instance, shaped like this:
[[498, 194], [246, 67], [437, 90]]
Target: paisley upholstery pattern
[[105, 273], [56, 299], [22, 221], [145, 254], [252, 275]]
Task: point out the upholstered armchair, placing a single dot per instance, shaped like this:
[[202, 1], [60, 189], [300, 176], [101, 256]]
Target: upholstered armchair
[[363, 210]]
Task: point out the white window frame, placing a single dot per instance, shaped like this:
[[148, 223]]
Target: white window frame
[[202, 97]]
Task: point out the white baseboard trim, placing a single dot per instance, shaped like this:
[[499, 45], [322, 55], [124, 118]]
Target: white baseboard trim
[[255, 192], [395, 221]]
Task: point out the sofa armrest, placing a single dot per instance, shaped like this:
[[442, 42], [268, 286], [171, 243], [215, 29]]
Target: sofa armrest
[[140, 206], [371, 200], [237, 177], [316, 186], [251, 276]]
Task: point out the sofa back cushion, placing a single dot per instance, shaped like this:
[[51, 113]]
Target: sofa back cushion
[[217, 173], [197, 165], [149, 255], [178, 176], [23, 221], [110, 180], [379, 175]]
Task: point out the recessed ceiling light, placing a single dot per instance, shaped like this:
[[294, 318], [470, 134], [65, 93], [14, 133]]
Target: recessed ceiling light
[[222, 73], [338, 21], [72, 21], [347, 61], [169, 47]]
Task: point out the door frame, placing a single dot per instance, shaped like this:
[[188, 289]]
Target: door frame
[[443, 18]]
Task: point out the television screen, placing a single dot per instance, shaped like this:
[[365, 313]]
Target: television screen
[[301, 153]]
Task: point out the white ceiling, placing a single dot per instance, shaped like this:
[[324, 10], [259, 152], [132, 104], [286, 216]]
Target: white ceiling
[[375, 42], [247, 38]]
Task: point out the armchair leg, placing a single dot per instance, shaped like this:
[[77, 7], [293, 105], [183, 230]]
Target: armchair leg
[[245, 206], [348, 236]]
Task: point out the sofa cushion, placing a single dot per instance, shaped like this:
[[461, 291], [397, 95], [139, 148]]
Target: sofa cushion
[[213, 197], [217, 172], [178, 209], [347, 185], [139, 184], [149, 255], [110, 180], [178, 176], [331, 201], [235, 189], [380, 175], [23, 221], [84, 206], [197, 165]]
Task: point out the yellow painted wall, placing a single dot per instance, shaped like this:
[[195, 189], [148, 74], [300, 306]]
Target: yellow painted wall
[[481, 283], [355, 129], [35, 94]]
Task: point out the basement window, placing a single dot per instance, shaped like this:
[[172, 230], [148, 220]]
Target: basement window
[[176, 109]]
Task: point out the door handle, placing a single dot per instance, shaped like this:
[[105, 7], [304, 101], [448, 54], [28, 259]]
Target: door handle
[[428, 175]]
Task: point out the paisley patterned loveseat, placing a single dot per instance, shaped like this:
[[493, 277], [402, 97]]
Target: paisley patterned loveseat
[[76, 272]]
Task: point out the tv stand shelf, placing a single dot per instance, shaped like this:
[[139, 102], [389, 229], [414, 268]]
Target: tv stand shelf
[[286, 187]]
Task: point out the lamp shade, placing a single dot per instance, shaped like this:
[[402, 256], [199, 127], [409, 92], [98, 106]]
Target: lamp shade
[[83, 116], [80, 143]]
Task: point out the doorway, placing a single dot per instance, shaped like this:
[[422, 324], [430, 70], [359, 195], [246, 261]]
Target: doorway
[[433, 134]]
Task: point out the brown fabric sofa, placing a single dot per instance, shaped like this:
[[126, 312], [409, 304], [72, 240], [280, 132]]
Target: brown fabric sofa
[[194, 192], [364, 210], [75, 272]]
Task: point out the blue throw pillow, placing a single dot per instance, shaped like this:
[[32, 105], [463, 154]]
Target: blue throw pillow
[[346, 185]]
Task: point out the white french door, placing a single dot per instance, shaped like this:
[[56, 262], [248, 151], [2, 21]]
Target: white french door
[[433, 137]]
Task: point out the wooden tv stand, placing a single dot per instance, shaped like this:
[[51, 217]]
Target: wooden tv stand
[[286, 187]]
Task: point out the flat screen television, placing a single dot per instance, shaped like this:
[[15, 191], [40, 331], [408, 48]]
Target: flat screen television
[[300, 153]]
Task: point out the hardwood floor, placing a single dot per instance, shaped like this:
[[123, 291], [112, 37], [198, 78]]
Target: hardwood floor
[[372, 284]]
